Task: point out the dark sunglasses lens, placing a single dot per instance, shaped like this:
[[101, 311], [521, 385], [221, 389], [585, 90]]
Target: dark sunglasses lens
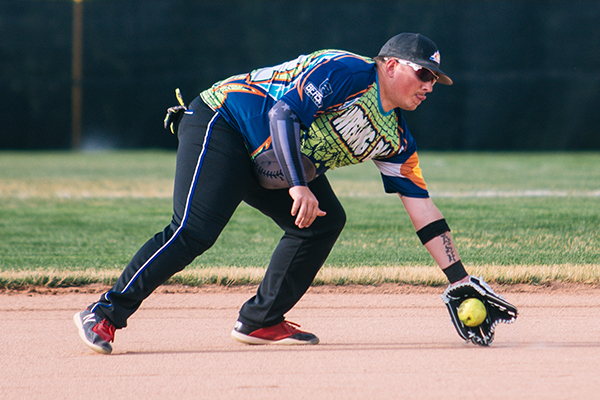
[[425, 75]]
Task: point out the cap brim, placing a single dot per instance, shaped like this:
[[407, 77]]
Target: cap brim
[[443, 78]]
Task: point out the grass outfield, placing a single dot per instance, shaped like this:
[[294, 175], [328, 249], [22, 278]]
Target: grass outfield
[[72, 219]]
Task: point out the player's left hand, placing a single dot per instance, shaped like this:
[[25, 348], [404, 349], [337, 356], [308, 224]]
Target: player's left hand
[[305, 207], [498, 309]]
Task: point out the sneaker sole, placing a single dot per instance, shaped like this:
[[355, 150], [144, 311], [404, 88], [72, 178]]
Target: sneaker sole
[[96, 348], [240, 337]]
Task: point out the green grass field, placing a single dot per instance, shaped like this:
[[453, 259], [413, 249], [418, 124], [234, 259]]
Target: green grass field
[[76, 218]]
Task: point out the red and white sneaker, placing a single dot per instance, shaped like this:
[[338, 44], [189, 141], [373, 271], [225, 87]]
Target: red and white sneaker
[[96, 333], [282, 333]]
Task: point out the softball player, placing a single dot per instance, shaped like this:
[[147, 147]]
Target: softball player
[[267, 138]]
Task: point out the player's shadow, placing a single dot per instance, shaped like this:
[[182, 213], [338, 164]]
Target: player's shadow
[[321, 348], [359, 347]]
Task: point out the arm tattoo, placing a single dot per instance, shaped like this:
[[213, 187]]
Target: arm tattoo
[[447, 240]]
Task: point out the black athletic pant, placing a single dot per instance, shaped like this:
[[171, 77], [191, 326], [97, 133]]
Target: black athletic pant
[[214, 175]]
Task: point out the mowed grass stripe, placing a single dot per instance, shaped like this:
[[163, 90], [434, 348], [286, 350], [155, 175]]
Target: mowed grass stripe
[[62, 239]]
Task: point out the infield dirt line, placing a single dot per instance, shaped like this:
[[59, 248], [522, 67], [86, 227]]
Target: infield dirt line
[[373, 346]]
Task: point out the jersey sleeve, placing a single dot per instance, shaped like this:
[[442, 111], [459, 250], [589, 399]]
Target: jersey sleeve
[[401, 172], [329, 84]]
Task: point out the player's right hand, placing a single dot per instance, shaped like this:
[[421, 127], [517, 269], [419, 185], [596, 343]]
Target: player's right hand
[[305, 207]]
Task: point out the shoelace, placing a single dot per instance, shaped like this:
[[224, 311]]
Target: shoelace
[[291, 326], [106, 330]]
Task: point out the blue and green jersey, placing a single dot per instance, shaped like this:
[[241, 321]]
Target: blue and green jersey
[[336, 97]]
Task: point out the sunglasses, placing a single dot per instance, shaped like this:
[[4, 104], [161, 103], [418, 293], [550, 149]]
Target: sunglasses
[[423, 74]]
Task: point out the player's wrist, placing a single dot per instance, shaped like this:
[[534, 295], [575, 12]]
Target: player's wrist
[[455, 272]]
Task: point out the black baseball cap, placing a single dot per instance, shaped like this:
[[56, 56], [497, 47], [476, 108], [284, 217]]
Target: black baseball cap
[[416, 48]]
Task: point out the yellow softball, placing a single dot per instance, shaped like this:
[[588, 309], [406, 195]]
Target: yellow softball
[[472, 312]]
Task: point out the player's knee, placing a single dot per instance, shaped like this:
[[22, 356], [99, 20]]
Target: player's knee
[[340, 221], [196, 242], [334, 221]]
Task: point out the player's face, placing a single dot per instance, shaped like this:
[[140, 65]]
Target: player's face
[[408, 88]]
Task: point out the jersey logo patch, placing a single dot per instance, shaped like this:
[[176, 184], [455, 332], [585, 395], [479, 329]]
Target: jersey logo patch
[[325, 88], [318, 94]]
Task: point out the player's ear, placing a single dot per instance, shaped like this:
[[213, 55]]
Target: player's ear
[[386, 65], [391, 67]]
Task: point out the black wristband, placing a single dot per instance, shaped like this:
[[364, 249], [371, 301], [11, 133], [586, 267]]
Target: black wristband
[[434, 229], [455, 272]]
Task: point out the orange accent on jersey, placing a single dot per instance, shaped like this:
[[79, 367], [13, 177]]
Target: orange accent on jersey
[[412, 171], [273, 78], [300, 87], [241, 88], [262, 147]]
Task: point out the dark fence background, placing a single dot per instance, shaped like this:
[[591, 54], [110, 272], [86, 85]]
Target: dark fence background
[[527, 73]]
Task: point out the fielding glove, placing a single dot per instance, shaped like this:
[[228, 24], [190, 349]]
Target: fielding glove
[[175, 113], [497, 309]]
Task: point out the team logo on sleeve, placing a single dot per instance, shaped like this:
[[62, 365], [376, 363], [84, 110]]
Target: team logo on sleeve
[[318, 94], [325, 88]]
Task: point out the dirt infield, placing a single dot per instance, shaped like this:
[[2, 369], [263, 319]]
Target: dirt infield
[[376, 343]]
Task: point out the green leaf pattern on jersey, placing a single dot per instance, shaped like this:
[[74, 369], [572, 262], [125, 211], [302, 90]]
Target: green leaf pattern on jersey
[[355, 133]]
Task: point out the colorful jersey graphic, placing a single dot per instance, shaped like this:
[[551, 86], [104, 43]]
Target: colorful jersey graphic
[[335, 95]]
